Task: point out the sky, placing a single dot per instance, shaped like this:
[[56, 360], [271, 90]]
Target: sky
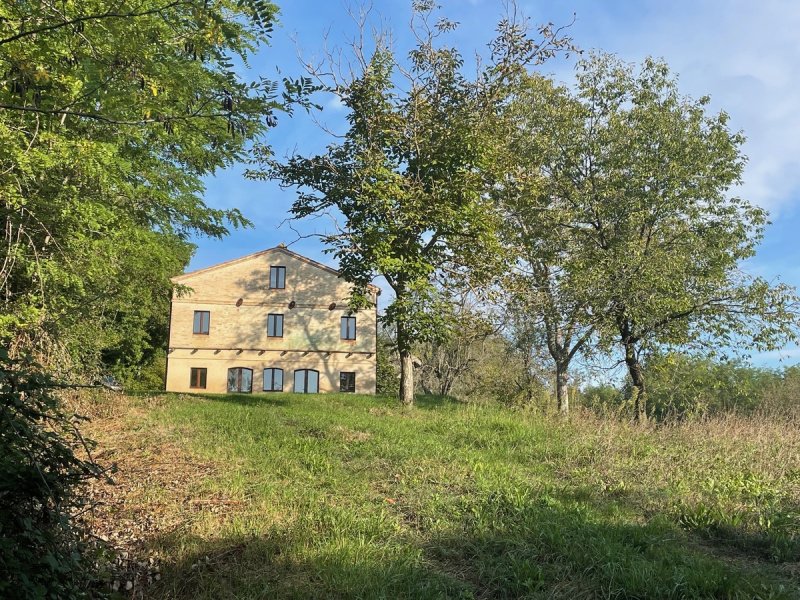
[[744, 54]]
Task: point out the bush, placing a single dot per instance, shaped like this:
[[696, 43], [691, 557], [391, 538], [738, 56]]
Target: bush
[[782, 397], [387, 375], [682, 386], [604, 399], [42, 554], [148, 377]]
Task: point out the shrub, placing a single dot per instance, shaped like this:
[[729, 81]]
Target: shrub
[[42, 554], [387, 375], [148, 377], [604, 399], [682, 386]]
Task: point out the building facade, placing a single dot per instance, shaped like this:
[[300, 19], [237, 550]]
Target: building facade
[[273, 321]]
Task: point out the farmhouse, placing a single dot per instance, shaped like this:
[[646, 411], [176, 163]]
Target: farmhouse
[[271, 321]]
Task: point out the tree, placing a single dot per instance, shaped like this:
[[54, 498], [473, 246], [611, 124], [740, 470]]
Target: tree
[[447, 360], [410, 174], [542, 285], [644, 177], [111, 113]]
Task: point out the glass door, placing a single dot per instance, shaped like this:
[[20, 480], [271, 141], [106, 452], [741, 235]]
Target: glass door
[[306, 381], [240, 380]]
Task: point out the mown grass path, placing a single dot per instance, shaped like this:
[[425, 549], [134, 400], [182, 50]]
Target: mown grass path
[[344, 496]]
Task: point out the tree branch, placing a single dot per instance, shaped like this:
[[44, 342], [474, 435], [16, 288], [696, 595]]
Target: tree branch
[[96, 17], [104, 119]]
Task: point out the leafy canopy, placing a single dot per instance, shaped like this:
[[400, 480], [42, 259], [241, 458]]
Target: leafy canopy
[[111, 113], [640, 187]]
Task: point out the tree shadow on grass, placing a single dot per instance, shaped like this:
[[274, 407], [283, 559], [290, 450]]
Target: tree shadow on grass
[[247, 399], [504, 546], [275, 565], [521, 546]]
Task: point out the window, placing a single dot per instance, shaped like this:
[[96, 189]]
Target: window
[[273, 380], [348, 328], [202, 321], [274, 325], [240, 379], [198, 378], [347, 382], [277, 278], [306, 381]]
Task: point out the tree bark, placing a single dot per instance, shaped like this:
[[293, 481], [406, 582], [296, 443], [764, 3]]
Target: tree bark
[[444, 388], [562, 391], [639, 392], [406, 366], [406, 378]]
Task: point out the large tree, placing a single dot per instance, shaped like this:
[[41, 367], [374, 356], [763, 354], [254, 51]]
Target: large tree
[[643, 182], [542, 284], [111, 113], [409, 176]]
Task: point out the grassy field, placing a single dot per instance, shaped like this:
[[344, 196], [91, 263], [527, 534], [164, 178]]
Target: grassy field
[[340, 496]]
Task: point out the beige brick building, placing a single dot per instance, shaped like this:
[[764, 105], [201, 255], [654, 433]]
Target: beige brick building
[[270, 321]]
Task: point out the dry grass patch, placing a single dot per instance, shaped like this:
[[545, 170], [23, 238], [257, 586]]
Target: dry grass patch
[[156, 487]]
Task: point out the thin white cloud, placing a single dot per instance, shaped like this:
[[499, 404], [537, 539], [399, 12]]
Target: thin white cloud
[[784, 357], [746, 55], [335, 103]]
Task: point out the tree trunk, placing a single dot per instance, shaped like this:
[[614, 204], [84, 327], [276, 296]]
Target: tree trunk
[[406, 367], [406, 378], [446, 386], [562, 391], [639, 392]]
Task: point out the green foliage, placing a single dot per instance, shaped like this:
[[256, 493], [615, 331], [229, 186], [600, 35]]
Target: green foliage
[[640, 176], [450, 361], [604, 399], [781, 398], [410, 174], [110, 116], [42, 550], [685, 387], [542, 285], [387, 376], [682, 386], [475, 363], [146, 377]]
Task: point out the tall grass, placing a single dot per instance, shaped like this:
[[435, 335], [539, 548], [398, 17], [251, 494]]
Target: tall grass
[[351, 496]]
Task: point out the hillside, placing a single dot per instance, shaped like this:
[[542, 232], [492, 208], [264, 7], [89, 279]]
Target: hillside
[[350, 496]]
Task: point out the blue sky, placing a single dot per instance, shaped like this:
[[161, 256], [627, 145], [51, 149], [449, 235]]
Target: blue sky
[[744, 54]]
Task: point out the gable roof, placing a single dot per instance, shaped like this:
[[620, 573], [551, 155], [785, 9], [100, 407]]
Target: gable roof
[[278, 248]]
